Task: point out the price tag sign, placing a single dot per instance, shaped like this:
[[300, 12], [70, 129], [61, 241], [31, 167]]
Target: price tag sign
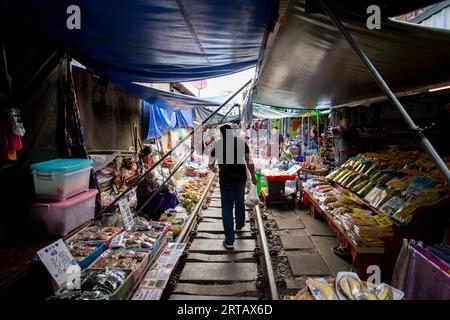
[[60, 263], [419, 184], [147, 294], [117, 241], [127, 216], [423, 181], [382, 220]]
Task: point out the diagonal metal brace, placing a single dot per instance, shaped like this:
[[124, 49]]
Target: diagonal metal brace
[[417, 131]]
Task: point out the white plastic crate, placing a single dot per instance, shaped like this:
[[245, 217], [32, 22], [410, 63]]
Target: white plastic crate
[[61, 179]]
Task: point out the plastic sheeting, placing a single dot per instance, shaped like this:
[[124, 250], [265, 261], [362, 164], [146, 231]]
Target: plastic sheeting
[[154, 40], [310, 63], [163, 99], [157, 121], [266, 112], [200, 114]]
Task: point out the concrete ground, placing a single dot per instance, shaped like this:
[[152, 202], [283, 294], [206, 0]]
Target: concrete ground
[[306, 246]]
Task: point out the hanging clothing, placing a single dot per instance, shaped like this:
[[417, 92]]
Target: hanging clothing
[[69, 131]]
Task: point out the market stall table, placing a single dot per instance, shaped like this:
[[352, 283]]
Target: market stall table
[[362, 257]]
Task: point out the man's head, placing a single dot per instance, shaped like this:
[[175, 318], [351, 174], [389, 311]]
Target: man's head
[[224, 128], [150, 177]]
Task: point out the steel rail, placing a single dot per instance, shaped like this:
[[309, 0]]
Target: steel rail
[[267, 260]]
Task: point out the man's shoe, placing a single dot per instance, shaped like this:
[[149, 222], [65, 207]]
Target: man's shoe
[[239, 229], [228, 246]]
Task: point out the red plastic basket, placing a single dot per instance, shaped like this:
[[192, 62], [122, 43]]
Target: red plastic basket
[[281, 178]]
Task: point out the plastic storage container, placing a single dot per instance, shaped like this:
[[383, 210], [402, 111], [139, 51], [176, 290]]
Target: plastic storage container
[[59, 218], [60, 179]]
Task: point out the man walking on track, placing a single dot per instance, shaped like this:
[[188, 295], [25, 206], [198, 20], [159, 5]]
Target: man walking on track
[[233, 157]]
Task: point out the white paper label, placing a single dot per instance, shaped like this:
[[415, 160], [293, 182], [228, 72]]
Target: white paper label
[[61, 265], [117, 241], [147, 294], [293, 170], [127, 216]]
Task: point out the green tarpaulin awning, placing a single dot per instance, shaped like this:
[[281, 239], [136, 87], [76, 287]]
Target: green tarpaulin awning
[[267, 112]]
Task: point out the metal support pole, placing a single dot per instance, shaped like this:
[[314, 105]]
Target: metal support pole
[[7, 75], [156, 136], [309, 132], [142, 177], [302, 144], [416, 130], [318, 132]]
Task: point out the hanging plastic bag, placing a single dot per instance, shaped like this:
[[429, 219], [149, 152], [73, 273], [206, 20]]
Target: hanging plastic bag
[[252, 199]]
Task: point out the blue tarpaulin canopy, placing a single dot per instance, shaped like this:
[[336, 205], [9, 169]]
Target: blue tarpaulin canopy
[[153, 40], [164, 99], [157, 121]]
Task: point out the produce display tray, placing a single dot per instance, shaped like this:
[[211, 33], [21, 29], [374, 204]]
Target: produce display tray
[[137, 273], [86, 261], [321, 172], [366, 204], [123, 292], [327, 215], [107, 242]]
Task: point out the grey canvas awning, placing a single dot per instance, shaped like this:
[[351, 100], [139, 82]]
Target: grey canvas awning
[[308, 62]]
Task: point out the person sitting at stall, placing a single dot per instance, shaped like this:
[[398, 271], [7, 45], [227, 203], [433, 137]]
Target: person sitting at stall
[[153, 209]]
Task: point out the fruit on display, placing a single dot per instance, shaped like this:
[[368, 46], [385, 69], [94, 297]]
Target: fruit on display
[[385, 293], [349, 286], [346, 286], [176, 230], [191, 192], [320, 289], [189, 199]]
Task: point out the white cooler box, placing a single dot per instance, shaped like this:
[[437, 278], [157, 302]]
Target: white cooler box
[[60, 179], [59, 218]]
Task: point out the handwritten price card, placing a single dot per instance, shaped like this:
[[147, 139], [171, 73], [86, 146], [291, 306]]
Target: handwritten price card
[[127, 216], [59, 262], [382, 220]]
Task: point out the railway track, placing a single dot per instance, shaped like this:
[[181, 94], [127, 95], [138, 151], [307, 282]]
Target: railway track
[[208, 271]]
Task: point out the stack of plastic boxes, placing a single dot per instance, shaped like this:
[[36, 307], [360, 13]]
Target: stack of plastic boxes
[[64, 198]]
